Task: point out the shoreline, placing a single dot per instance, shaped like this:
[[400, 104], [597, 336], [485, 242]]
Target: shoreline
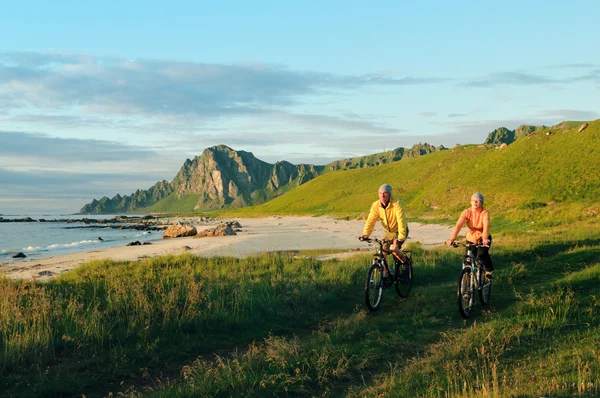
[[257, 235]]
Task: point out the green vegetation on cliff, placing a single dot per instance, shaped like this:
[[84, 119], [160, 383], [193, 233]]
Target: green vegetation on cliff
[[555, 174]]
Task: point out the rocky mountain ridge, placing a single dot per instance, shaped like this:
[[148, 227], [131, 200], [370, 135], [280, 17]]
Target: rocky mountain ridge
[[223, 177]]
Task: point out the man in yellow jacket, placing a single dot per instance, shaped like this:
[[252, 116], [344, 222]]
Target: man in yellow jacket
[[392, 219]]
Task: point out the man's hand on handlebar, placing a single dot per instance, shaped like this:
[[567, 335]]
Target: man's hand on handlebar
[[363, 237]]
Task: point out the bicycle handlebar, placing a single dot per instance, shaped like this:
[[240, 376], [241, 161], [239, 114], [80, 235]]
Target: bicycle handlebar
[[460, 244], [380, 241]]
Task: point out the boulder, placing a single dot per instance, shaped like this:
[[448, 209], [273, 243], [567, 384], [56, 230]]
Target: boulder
[[179, 230], [19, 255], [582, 127], [224, 229], [136, 243]]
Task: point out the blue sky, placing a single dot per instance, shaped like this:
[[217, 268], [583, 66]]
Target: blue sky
[[106, 98]]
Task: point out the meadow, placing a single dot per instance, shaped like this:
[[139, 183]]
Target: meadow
[[287, 324]]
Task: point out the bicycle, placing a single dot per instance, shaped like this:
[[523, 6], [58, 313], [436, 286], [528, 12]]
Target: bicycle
[[375, 284], [467, 284]]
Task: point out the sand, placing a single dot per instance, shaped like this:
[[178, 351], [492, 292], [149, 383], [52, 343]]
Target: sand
[[257, 236]]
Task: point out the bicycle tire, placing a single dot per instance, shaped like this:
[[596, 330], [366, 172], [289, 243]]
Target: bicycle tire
[[404, 277], [485, 292], [374, 287], [465, 293]]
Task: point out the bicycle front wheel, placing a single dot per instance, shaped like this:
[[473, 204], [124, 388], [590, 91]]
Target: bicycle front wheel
[[485, 292], [404, 277], [374, 287], [465, 293]]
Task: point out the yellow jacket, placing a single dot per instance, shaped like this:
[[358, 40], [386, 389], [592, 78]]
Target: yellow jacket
[[391, 217]]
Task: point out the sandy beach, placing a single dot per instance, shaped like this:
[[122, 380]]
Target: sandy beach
[[257, 235]]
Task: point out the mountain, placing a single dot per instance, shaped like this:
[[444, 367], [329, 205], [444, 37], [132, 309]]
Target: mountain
[[553, 175], [222, 177], [127, 204], [383, 157], [502, 135]]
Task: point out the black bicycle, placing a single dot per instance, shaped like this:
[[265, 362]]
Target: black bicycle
[[472, 277], [401, 277]]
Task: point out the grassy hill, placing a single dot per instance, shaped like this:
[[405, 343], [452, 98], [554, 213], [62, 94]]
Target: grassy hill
[[547, 174]]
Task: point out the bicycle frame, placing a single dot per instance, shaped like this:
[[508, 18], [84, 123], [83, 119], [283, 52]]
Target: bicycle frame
[[401, 278], [474, 268]]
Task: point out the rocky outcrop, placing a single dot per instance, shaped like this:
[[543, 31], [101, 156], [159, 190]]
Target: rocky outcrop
[[223, 229], [582, 127], [384, 157], [179, 231]]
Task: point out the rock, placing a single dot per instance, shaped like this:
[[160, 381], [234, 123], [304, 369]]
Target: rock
[[179, 230], [502, 146], [583, 127], [146, 243], [19, 255], [45, 273], [223, 229], [184, 248], [100, 239], [136, 243]]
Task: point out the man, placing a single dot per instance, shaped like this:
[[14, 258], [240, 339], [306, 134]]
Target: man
[[392, 219]]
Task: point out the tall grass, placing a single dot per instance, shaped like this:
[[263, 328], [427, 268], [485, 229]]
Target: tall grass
[[279, 324]]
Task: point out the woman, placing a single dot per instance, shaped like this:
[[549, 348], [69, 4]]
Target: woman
[[478, 231]]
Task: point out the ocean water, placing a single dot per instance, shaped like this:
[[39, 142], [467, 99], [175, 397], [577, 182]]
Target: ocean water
[[47, 239]]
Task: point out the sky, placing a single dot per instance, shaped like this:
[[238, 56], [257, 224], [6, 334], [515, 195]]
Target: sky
[[100, 98]]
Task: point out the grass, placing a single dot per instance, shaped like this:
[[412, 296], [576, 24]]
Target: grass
[[539, 178], [286, 324]]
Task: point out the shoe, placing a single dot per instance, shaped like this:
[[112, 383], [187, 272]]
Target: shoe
[[488, 274]]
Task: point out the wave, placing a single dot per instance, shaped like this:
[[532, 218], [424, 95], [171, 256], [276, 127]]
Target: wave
[[72, 244]]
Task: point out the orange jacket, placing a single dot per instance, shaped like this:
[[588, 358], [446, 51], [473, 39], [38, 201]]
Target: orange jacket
[[478, 224]]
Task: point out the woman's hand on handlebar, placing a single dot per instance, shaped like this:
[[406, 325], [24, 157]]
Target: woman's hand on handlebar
[[449, 242]]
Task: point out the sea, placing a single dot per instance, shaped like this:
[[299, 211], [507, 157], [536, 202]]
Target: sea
[[39, 240]]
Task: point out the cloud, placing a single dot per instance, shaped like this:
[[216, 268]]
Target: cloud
[[570, 114], [118, 86], [427, 114], [519, 78], [509, 78], [68, 149]]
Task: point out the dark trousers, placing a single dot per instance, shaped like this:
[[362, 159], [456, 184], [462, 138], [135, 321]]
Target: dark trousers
[[483, 254]]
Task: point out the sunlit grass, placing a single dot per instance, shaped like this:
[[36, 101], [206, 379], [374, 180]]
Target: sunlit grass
[[287, 324]]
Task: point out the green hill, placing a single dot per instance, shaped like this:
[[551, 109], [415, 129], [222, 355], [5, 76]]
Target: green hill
[[547, 173]]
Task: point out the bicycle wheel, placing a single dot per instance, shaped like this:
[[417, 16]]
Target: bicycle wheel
[[404, 277], [465, 293], [374, 287], [485, 292]]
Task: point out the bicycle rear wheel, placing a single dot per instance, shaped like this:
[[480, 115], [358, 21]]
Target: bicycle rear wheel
[[404, 277], [485, 292], [374, 287], [465, 293]]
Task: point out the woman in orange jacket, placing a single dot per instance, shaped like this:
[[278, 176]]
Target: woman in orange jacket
[[478, 230]]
